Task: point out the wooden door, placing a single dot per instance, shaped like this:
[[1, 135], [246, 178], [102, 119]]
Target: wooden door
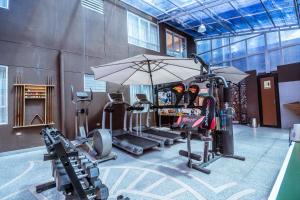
[[269, 110]]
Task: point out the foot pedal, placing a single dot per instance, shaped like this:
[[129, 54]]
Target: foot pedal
[[192, 155]]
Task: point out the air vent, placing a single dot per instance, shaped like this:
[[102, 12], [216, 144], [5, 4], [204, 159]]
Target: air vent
[[95, 5]]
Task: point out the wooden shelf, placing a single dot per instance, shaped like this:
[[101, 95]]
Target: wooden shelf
[[29, 92], [33, 125]]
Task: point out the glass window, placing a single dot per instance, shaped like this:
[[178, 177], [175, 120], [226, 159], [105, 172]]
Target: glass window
[[256, 44], [274, 59], [203, 46], [4, 4], [206, 57], [240, 64], [220, 55], [176, 44], [142, 32], [291, 54], [273, 40], [95, 85], [169, 40], [238, 49], [257, 63], [290, 37], [216, 43], [3, 95]]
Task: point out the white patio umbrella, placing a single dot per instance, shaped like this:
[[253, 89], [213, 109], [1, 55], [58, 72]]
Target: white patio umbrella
[[230, 73], [147, 70]]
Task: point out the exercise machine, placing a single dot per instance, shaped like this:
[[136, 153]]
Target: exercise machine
[[123, 138], [97, 143], [218, 142], [75, 175], [168, 137]]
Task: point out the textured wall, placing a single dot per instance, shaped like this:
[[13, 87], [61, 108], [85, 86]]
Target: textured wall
[[33, 33]]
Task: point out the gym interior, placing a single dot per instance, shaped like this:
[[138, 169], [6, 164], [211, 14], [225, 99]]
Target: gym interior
[[150, 99]]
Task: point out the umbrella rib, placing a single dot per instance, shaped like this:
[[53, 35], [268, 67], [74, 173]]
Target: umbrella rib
[[166, 64], [114, 72], [157, 65], [112, 64], [131, 75], [172, 74]]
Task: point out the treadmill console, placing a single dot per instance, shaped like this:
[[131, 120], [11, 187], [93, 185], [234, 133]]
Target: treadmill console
[[116, 97], [141, 97]]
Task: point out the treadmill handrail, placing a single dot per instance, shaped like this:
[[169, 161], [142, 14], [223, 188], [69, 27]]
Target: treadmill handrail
[[112, 103]]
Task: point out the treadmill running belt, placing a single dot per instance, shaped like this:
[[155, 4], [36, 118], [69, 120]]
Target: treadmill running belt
[[166, 134], [138, 141]]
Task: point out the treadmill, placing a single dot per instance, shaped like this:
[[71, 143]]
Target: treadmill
[[147, 131], [123, 138]]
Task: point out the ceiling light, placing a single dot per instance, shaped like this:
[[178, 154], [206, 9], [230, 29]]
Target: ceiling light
[[201, 28]]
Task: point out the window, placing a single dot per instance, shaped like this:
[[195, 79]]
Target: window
[[256, 44], [142, 32], [256, 62], [176, 44], [95, 5], [95, 85], [273, 40], [203, 46], [3, 95], [220, 54], [4, 4], [238, 49], [290, 37], [274, 59], [141, 89], [291, 54]]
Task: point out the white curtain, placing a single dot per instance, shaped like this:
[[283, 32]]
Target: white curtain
[[153, 39], [133, 29], [3, 95], [144, 33], [140, 89]]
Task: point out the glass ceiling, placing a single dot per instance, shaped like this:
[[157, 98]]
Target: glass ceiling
[[222, 17]]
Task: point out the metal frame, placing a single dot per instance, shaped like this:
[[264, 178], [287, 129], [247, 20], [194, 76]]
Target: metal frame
[[6, 99], [206, 9], [266, 52]]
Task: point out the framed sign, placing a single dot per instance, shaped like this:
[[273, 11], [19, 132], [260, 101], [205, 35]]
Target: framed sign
[[267, 84]]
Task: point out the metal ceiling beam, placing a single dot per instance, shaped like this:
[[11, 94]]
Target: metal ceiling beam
[[197, 9], [216, 17], [243, 17], [251, 15], [262, 30], [282, 16], [270, 17], [157, 8], [296, 3], [188, 13]]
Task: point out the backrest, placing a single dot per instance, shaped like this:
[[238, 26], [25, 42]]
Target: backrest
[[178, 90], [193, 93], [208, 110]]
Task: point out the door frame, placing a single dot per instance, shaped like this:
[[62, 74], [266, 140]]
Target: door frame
[[277, 100]]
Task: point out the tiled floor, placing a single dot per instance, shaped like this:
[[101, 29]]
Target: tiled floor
[[163, 174]]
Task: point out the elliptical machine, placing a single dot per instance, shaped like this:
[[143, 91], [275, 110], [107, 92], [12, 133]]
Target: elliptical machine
[[97, 143]]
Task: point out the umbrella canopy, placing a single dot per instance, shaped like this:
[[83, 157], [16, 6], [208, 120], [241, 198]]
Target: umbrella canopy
[[147, 70], [230, 73]]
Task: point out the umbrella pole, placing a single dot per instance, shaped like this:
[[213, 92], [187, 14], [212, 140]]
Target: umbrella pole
[[151, 79]]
